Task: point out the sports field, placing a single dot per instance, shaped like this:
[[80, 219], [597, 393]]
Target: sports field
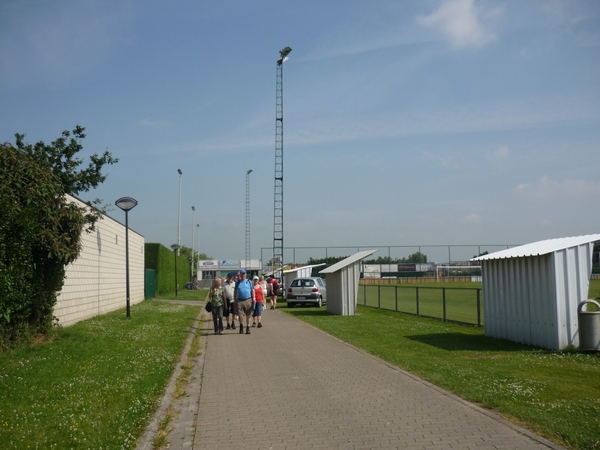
[[458, 302]]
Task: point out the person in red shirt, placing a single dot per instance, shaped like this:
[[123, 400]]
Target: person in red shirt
[[260, 303]]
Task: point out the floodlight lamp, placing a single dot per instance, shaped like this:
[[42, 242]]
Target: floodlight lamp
[[283, 55], [249, 171], [126, 203], [193, 208], [179, 171]]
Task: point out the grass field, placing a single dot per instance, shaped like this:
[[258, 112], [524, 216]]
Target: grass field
[[97, 384], [428, 299]]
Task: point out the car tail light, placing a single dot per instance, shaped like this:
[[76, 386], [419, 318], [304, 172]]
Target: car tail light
[[290, 290], [315, 289]]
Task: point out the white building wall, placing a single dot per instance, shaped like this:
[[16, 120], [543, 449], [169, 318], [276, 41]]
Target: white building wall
[[96, 282]]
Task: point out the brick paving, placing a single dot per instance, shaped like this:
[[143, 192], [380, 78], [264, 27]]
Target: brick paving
[[290, 386]]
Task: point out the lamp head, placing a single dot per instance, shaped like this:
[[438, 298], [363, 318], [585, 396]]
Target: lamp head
[[175, 247], [283, 55], [126, 203], [249, 171], [179, 171]]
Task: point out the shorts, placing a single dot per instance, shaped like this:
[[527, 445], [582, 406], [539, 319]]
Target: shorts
[[231, 308], [258, 307], [244, 307]]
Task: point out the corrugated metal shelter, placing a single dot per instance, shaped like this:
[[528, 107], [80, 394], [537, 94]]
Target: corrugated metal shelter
[[342, 284], [531, 292], [290, 275]]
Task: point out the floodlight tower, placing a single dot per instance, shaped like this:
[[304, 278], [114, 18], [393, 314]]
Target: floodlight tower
[[248, 172], [278, 207]]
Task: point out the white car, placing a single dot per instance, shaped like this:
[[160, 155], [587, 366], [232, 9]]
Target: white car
[[307, 290]]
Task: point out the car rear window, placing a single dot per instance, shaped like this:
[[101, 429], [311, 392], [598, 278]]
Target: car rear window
[[303, 283]]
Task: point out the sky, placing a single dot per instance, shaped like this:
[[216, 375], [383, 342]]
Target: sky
[[406, 123]]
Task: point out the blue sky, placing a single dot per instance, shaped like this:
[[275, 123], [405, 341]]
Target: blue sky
[[406, 122]]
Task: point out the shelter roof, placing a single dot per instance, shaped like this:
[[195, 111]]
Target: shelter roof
[[297, 269], [540, 247], [347, 261]]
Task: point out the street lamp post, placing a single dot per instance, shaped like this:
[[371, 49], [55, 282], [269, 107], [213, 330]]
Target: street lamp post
[[126, 204], [179, 214], [175, 247], [190, 261], [193, 222]]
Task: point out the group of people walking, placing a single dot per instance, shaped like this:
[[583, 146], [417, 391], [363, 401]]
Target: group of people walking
[[237, 297]]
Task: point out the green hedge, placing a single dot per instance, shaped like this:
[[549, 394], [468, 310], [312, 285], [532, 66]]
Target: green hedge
[[161, 259]]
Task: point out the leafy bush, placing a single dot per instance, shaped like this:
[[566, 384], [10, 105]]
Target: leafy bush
[[40, 229]]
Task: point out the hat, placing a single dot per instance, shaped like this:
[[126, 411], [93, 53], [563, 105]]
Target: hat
[[242, 272], [255, 277]]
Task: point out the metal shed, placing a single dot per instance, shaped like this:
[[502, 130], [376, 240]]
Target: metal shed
[[298, 272], [531, 292], [342, 284]]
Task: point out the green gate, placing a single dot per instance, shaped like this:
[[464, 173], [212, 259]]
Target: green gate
[[150, 284]]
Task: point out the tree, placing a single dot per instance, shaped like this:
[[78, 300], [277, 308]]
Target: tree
[[40, 228], [417, 257]]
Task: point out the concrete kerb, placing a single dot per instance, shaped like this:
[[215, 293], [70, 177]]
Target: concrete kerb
[[146, 441]]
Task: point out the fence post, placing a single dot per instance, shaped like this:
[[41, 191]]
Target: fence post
[[396, 289], [444, 301], [417, 288], [379, 296], [364, 295], [478, 307]]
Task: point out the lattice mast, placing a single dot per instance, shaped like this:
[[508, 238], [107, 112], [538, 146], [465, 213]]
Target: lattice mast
[[278, 204], [248, 172]]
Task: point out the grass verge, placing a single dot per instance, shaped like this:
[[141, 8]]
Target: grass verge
[[97, 385], [185, 294], [556, 394]]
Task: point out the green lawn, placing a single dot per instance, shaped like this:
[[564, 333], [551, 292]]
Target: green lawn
[[556, 394], [185, 294], [97, 384], [428, 299]]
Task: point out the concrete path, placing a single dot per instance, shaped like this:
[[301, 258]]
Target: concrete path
[[290, 386]]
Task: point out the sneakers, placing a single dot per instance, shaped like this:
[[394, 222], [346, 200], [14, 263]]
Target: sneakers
[[221, 332], [242, 328], [259, 324], [254, 324], [233, 326], [229, 326], [247, 330]]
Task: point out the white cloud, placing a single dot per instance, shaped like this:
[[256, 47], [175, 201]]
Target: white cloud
[[472, 219], [547, 189], [501, 152], [460, 22]]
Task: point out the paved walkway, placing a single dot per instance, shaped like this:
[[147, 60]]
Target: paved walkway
[[290, 386]]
